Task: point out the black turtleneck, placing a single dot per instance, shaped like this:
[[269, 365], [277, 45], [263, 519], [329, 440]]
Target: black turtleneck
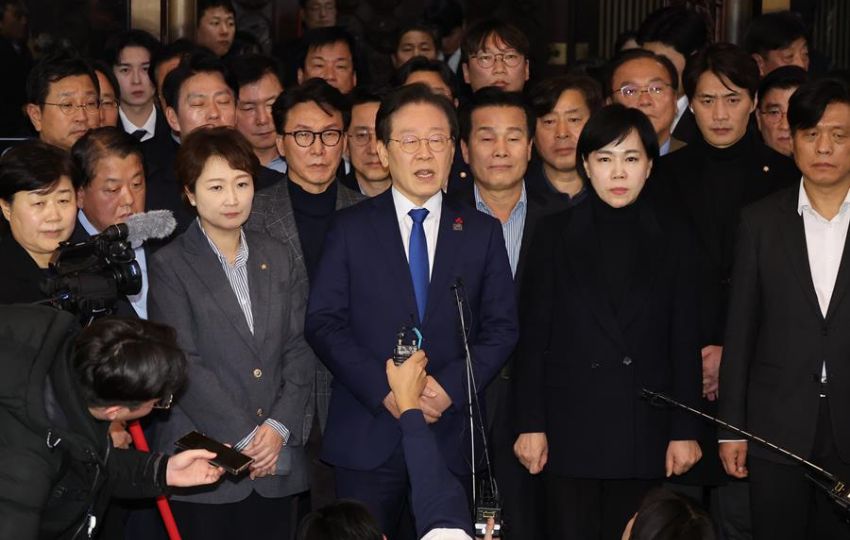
[[617, 246], [313, 213]]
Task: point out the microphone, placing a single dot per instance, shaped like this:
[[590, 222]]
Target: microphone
[[457, 285], [153, 224]]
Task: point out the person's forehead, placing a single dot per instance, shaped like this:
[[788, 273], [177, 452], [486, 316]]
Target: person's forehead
[[365, 111], [498, 115], [416, 36], [419, 115], [205, 82], [71, 84], [134, 54], [798, 43], [495, 43], [216, 11], [267, 83], [317, 3], [778, 95], [330, 51], [710, 81], [571, 99], [309, 113], [644, 68]]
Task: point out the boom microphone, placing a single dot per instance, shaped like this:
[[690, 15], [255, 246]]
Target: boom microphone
[[153, 224]]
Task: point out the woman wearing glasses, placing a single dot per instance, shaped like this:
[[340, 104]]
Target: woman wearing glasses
[[237, 303], [608, 308]]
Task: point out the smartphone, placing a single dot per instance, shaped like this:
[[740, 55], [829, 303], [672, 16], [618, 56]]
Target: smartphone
[[227, 458]]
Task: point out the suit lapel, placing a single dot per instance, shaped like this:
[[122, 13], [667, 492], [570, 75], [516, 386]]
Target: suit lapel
[[581, 243], [259, 287], [207, 267], [449, 242], [794, 238], [841, 280], [392, 256]]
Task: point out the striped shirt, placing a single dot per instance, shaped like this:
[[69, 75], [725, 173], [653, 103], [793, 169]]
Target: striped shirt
[[237, 276], [512, 228]]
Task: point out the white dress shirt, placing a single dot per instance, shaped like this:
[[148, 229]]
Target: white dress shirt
[[431, 224], [681, 105], [825, 245], [149, 126]]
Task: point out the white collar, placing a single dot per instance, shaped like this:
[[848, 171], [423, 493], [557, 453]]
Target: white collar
[[130, 127], [403, 205], [804, 203]]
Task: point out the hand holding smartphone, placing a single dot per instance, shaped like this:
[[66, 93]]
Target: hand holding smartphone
[[232, 461]]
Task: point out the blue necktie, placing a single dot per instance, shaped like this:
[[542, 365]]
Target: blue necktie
[[418, 259]]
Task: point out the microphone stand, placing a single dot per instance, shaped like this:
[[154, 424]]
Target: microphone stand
[[472, 396], [835, 488]]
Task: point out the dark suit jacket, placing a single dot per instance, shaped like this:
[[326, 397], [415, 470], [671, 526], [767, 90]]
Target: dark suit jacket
[[236, 379], [777, 338], [273, 215], [16, 68], [581, 366], [163, 190], [680, 184], [20, 276], [363, 294]]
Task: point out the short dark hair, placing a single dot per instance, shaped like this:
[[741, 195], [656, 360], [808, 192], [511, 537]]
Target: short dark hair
[[116, 44], [199, 61], [611, 124], [359, 96], [33, 166], [773, 31], [202, 144], [340, 520], [782, 78], [179, 48], [204, 5], [97, 144], [303, 3], [665, 515], [418, 26], [677, 26], [544, 95], [250, 68], [478, 32], [636, 54], [420, 63], [55, 68], [123, 361], [493, 96], [726, 61], [810, 100], [409, 95], [106, 69], [314, 90], [316, 38]]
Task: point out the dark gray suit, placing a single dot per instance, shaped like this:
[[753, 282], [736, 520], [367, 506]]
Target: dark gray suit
[[272, 214], [236, 379]]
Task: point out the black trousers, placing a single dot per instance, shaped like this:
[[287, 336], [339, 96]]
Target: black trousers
[[253, 517], [591, 509], [786, 505]]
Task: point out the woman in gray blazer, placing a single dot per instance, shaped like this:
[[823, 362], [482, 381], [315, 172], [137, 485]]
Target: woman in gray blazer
[[238, 307]]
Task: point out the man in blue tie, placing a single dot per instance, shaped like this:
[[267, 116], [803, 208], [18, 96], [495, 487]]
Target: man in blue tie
[[392, 261]]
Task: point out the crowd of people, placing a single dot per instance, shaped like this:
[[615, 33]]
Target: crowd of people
[[673, 220]]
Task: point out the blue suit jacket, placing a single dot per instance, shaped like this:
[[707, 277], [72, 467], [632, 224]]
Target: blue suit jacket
[[363, 294]]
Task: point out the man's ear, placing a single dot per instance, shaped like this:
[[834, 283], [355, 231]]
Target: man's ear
[[300, 75], [34, 113], [383, 155], [6, 207], [112, 412], [80, 193], [464, 151], [760, 61], [465, 68], [171, 118], [278, 142]]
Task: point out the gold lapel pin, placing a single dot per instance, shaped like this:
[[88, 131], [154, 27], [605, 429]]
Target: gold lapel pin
[[766, 169], [264, 266]]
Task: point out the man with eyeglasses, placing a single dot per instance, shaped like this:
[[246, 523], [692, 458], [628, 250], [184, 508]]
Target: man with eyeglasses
[[368, 175], [495, 53], [391, 264], [774, 93], [62, 100], [310, 120], [60, 388], [646, 81]]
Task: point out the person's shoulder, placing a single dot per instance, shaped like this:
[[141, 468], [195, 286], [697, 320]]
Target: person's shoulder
[[173, 250], [765, 210]]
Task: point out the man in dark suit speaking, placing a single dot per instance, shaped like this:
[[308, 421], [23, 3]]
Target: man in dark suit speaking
[[392, 261]]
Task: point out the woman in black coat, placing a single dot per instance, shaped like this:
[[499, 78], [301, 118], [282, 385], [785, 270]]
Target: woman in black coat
[[608, 308], [39, 204]]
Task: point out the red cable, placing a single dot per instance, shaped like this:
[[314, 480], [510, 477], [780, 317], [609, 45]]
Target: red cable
[[141, 444]]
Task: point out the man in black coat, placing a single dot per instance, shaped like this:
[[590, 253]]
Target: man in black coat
[[785, 374], [59, 391], [709, 182]]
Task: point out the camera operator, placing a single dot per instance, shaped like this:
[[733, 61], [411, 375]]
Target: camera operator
[[111, 188], [59, 391], [37, 197]]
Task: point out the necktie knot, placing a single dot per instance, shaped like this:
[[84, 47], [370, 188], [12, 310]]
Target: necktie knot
[[418, 215], [139, 134]]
